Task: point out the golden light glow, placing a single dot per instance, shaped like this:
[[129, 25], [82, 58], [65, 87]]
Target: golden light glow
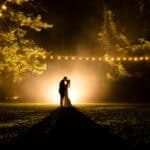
[[1, 14], [59, 57], [66, 58], [100, 59], [80, 58], [51, 57], [87, 58], [78, 91], [141, 58], [135, 59], [93, 58], [146, 58], [112, 59], [130, 58], [4, 7], [118, 58], [124, 58], [73, 58]]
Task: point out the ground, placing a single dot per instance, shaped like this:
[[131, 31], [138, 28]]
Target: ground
[[89, 124]]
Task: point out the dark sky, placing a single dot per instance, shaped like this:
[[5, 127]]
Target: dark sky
[[77, 22]]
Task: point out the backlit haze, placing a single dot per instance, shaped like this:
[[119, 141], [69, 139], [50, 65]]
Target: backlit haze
[[86, 84]]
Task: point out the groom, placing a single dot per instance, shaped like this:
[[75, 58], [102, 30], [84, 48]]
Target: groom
[[63, 90]]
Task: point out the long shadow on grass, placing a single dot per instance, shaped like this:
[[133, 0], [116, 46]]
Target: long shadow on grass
[[67, 127]]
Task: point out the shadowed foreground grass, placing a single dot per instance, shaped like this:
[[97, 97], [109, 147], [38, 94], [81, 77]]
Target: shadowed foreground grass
[[27, 121]]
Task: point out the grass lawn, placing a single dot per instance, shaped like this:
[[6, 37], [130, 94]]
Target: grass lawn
[[130, 121]]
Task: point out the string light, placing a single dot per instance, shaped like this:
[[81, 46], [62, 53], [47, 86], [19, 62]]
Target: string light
[[107, 59], [80, 58], [4, 7], [100, 59], [118, 59], [59, 57], [141, 58], [66, 57], [146, 58], [124, 58], [73, 58], [1, 14], [93, 58], [51, 57], [87, 58], [112, 59]]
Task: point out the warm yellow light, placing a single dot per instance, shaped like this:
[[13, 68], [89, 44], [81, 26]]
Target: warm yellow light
[[93, 58], [51, 25], [130, 58], [4, 7], [87, 58], [124, 58], [59, 57], [73, 58], [78, 92], [141, 58], [118, 58], [51, 57], [1, 14], [80, 58], [112, 59], [66, 58], [100, 59], [106, 58], [146, 58], [135, 59]]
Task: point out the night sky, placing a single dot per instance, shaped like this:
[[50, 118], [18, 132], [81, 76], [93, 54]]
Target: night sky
[[77, 22]]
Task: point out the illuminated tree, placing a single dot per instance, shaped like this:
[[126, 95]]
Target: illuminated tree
[[115, 43], [18, 53]]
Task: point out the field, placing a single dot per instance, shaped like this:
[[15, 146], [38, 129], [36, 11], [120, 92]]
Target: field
[[131, 122]]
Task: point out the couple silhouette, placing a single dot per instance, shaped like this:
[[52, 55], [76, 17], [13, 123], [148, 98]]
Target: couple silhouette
[[63, 91]]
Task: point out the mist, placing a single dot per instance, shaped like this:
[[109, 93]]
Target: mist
[[88, 82]]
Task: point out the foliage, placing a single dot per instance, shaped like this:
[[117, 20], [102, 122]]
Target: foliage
[[18, 53], [117, 44]]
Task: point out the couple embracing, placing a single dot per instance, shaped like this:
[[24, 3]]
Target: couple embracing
[[63, 91]]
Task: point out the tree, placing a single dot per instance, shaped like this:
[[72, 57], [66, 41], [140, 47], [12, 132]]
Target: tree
[[115, 43], [19, 54]]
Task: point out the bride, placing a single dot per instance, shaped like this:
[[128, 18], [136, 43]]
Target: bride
[[67, 102]]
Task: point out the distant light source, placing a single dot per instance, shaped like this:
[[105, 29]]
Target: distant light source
[[124, 58], [4, 7], [146, 58], [130, 58], [73, 58], [87, 58], [1, 14], [66, 57], [141, 58], [51, 57], [118, 58], [112, 59], [80, 58], [59, 57], [135, 59], [100, 59], [93, 58]]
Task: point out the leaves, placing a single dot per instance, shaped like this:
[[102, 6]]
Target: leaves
[[19, 54]]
